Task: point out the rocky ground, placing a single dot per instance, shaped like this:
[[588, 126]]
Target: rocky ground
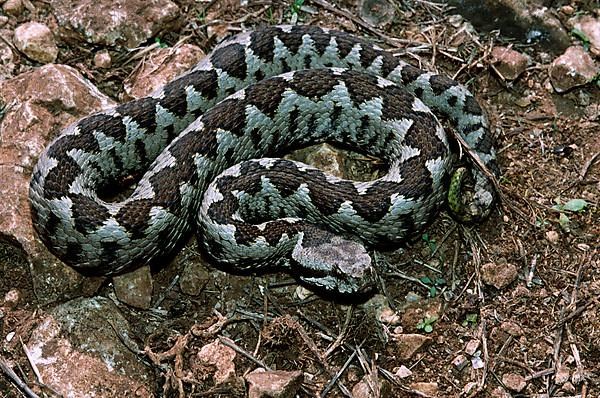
[[505, 308]]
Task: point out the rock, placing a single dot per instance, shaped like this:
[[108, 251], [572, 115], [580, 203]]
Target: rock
[[508, 62], [408, 344], [274, 383], [135, 288], [460, 362], [573, 68], [500, 392], [102, 59], [525, 20], [221, 357], [403, 372], [417, 311], [380, 309], [127, 23], [38, 104], [562, 374], [514, 382], [511, 328], [364, 388], [377, 12], [7, 56], [429, 389], [77, 351], [161, 66], [194, 278], [590, 27], [13, 7], [3, 20], [469, 388], [552, 236], [498, 274], [472, 346], [36, 41]]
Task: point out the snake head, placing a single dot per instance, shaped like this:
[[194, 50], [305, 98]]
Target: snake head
[[333, 264]]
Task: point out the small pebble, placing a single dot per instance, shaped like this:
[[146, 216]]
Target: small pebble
[[103, 60], [13, 7]]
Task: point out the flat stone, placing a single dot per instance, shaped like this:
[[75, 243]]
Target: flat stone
[[194, 277], [274, 383], [573, 68], [127, 23], [514, 382], [36, 41], [498, 274], [508, 62], [364, 388], [78, 353], [13, 7], [39, 104], [590, 27], [160, 67], [102, 59], [409, 343], [460, 362], [428, 388], [221, 358], [135, 288], [472, 346]]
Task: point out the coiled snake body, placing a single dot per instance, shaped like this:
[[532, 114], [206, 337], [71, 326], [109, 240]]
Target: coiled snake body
[[257, 96]]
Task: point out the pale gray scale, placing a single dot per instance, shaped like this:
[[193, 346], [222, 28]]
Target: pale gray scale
[[258, 121], [195, 100], [156, 142], [329, 57], [375, 69], [353, 57], [266, 202], [227, 84]]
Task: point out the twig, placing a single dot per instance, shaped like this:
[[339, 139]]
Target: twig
[[7, 370], [32, 363], [231, 344], [339, 373], [587, 165]]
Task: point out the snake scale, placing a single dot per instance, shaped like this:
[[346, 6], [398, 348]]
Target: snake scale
[[205, 149]]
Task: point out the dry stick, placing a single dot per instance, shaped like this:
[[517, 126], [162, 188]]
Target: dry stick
[[231, 344], [32, 363], [7, 370], [339, 373], [587, 165], [339, 340], [579, 374]]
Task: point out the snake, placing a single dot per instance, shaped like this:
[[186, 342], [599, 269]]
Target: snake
[[126, 186]]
